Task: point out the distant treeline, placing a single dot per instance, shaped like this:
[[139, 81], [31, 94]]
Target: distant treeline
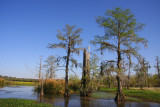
[[18, 79]]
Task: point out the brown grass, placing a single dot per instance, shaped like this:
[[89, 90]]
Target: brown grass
[[54, 86], [2, 82]]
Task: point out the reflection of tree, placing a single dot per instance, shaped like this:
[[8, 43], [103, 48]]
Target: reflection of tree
[[39, 98], [84, 102], [66, 101], [121, 104]]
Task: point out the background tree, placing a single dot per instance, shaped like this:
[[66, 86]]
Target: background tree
[[40, 76], [158, 68], [120, 36], [51, 65], [108, 68], [129, 70], [139, 75], [40, 71], [142, 72], [69, 41], [94, 70]]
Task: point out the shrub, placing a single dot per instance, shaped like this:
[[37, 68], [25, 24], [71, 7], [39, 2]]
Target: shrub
[[2, 82], [52, 86], [74, 85]]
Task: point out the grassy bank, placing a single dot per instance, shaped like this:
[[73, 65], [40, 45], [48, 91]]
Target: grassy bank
[[22, 103], [18, 83], [24, 83], [146, 94], [4, 82]]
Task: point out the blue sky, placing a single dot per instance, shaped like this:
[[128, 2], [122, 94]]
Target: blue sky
[[27, 26]]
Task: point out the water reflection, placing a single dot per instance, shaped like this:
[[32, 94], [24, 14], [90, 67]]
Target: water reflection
[[26, 92], [66, 100]]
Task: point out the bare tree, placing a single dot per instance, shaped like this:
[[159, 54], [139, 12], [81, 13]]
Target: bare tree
[[85, 91], [40, 70], [51, 65]]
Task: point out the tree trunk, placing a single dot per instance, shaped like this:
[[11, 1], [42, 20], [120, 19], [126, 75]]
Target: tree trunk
[[158, 70], [85, 75], [66, 94], [128, 84], [119, 96], [109, 85], [83, 93], [40, 67], [41, 93], [109, 82]]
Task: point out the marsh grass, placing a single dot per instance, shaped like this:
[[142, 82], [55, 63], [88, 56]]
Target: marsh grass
[[22, 103], [20, 83], [24, 83], [2, 81], [145, 94], [52, 86], [103, 95], [133, 99]]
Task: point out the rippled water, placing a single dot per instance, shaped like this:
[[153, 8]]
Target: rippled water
[[27, 92]]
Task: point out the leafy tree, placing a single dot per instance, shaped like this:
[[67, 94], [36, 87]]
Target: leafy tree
[[121, 36], [70, 41]]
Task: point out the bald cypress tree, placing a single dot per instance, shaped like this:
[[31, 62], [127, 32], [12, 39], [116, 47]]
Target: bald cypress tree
[[121, 36], [70, 41]]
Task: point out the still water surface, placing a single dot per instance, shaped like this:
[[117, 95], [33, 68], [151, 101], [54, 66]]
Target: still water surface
[[27, 92]]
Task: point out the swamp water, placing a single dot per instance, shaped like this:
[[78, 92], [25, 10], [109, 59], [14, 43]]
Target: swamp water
[[101, 99]]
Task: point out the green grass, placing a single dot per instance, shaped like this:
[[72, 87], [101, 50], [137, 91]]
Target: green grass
[[146, 95], [132, 99], [103, 95], [108, 89], [137, 94], [25, 83], [22, 103]]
